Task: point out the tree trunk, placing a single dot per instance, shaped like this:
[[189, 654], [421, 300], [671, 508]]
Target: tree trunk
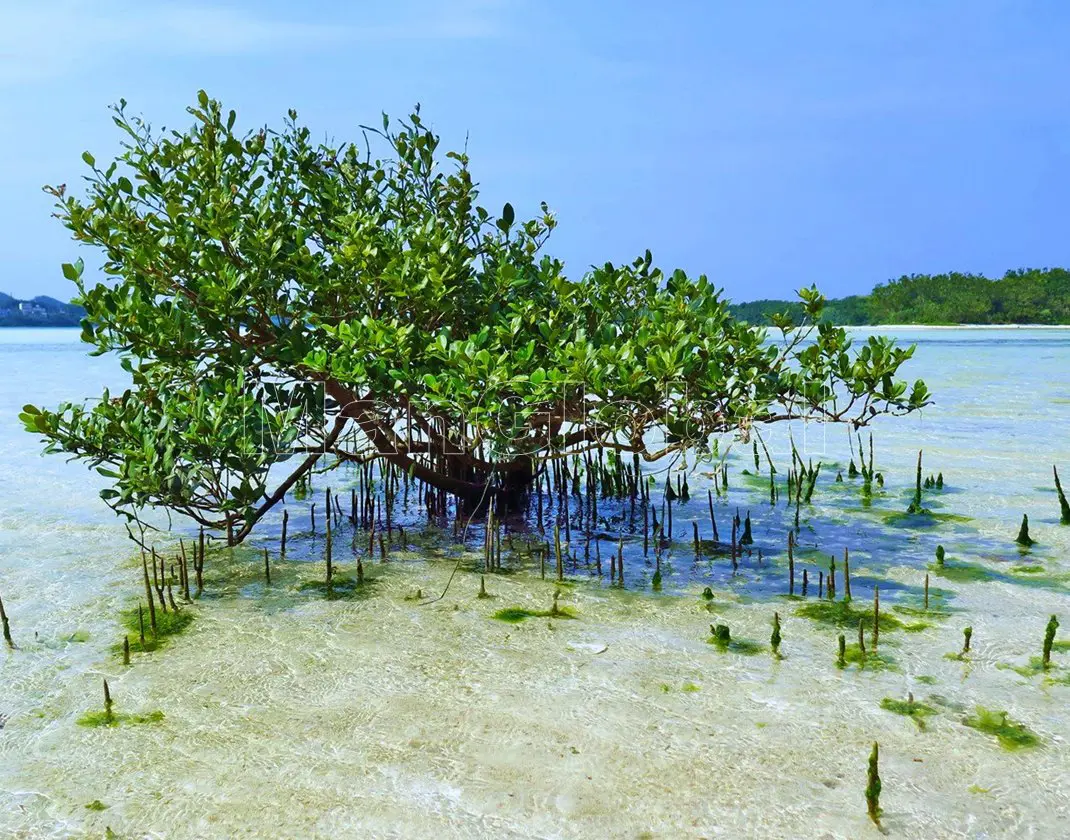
[[508, 486]]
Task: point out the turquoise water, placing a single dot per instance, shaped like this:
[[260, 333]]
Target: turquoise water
[[379, 717]]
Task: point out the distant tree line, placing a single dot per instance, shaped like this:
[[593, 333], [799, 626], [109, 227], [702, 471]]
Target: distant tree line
[[1025, 296], [41, 311]]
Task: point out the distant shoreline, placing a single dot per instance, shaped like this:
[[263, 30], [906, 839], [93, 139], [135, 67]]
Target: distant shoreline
[[956, 326]]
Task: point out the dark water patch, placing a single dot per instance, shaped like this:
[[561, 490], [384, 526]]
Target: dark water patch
[[880, 536]]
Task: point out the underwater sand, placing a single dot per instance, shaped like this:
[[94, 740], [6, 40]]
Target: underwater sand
[[289, 715]]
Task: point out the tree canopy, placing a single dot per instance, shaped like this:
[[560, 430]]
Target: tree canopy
[[347, 302], [1024, 296]]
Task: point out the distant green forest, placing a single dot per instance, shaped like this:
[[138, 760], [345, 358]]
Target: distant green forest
[[41, 311], [1028, 296]]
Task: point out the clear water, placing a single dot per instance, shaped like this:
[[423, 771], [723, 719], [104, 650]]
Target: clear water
[[287, 714]]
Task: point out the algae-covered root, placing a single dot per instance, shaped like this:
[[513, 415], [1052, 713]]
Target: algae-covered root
[[873, 785]]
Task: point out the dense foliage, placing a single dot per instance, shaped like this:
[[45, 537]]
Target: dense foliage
[[344, 307], [1020, 297], [1030, 296]]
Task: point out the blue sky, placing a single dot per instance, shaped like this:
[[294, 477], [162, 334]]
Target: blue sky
[[766, 144]]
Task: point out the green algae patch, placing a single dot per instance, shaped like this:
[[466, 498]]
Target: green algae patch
[[924, 519], [872, 660], [1057, 679], [706, 547], [977, 789], [1010, 734], [118, 719], [687, 688], [721, 638], [758, 481], [79, 636], [168, 624], [744, 646], [514, 615], [1031, 574], [904, 609], [925, 679], [340, 588], [926, 617], [96, 805], [964, 572], [910, 708], [843, 614], [1034, 666]]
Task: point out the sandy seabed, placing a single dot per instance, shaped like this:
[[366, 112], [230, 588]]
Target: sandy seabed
[[386, 717], [288, 715]]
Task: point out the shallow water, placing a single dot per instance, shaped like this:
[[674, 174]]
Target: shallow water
[[290, 715]]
